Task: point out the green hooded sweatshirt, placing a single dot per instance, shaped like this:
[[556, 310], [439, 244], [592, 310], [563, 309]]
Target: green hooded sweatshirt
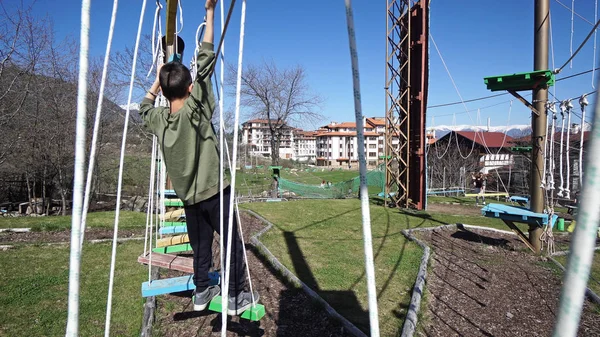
[[187, 138]]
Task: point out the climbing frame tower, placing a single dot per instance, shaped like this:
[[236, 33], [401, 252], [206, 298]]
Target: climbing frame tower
[[406, 83]]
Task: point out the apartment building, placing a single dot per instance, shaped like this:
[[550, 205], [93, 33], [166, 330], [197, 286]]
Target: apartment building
[[337, 143], [295, 144]]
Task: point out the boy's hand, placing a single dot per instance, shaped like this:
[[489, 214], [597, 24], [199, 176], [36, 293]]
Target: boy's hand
[[210, 4], [158, 68]]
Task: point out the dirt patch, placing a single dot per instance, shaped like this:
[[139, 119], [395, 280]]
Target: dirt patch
[[454, 209], [289, 311], [484, 283], [64, 236]]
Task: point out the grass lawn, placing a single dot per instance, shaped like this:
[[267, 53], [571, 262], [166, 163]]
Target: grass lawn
[[321, 242], [34, 283], [594, 281], [127, 220]]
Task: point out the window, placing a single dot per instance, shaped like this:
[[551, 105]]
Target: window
[[372, 146], [372, 154]]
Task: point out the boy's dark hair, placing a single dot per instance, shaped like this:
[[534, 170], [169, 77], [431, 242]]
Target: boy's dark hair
[[175, 78]]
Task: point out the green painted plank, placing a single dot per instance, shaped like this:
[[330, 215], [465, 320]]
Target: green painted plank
[[173, 249], [253, 314], [173, 203], [173, 223]]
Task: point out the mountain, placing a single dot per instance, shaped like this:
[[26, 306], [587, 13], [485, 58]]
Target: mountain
[[132, 106], [511, 130]]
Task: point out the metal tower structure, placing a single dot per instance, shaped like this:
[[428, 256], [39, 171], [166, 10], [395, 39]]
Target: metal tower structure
[[406, 84]]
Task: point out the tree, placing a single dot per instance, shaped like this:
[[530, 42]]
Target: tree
[[280, 96]]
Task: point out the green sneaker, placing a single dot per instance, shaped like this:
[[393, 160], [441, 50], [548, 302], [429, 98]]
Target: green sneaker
[[201, 300]]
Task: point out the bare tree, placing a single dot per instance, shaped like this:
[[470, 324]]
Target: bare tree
[[280, 96]]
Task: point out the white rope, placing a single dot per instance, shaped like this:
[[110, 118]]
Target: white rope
[[120, 181], [92, 162], [547, 236], [594, 54], [552, 108], [149, 214], [156, 47], [232, 170], [563, 110], [364, 194], [572, 31], [583, 102], [237, 210], [221, 164], [583, 241], [75, 254], [194, 67], [567, 157], [151, 202]]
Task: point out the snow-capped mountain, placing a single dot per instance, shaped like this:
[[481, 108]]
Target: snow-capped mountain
[[511, 130], [132, 106], [518, 130]]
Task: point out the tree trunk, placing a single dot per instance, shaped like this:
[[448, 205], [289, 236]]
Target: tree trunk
[[274, 151], [63, 197], [28, 191]]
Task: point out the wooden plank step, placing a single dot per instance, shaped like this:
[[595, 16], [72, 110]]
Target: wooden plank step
[[175, 215], [172, 230], [173, 203], [518, 214], [168, 286], [173, 249], [173, 262], [172, 240]]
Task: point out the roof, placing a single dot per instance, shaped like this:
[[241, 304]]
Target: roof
[[263, 121], [345, 133], [485, 139], [376, 121], [573, 137]]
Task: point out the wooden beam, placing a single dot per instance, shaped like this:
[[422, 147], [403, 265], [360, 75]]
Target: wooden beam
[[173, 262], [172, 240], [171, 19], [520, 234]]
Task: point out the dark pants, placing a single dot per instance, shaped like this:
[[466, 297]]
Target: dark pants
[[202, 221]]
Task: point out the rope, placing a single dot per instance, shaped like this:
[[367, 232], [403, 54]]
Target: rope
[[156, 48], [92, 163], [552, 108], [594, 54], [583, 102], [120, 181], [547, 236], [572, 31], [232, 170], [75, 254], [221, 168], [150, 197], [579, 48], [563, 109], [583, 242], [567, 157], [364, 194], [151, 201]]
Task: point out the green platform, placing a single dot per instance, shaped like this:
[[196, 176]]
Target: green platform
[[253, 314], [173, 223], [521, 81], [173, 203]]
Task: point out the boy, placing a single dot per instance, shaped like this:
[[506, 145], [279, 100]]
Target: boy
[[189, 146], [479, 183]]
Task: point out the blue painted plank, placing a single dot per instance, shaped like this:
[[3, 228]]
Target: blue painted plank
[[173, 230], [516, 198], [175, 284], [517, 214], [168, 286]]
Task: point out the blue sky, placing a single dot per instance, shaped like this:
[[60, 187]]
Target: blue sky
[[476, 39]]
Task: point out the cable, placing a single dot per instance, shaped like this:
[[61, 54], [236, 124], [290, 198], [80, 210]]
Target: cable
[[577, 14], [75, 254], [578, 74], [579, 48], [572, 31], [467, 101]]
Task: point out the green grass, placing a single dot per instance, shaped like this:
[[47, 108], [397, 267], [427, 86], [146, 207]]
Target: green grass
[[127, 220], [322, 243], [594, 281], [34, 283]]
